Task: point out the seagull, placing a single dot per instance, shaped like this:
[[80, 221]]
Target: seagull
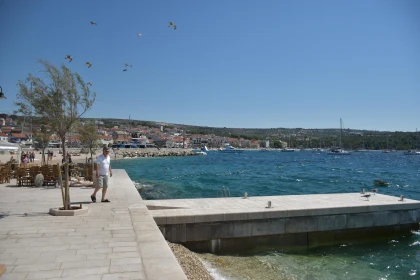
[[366, 195], [139, 35], [89, 84], [171, 24], [125, 70], [68, 57], [88, 64], [374, 191], [93, 23], [128, 65]]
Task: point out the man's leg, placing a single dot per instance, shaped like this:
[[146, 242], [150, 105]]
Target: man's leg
[[105, 188], [99, 184]]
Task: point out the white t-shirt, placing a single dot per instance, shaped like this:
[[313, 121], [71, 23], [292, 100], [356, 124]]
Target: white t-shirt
[[103, 164]]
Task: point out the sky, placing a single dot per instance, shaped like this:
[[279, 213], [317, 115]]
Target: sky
[[231, 63]]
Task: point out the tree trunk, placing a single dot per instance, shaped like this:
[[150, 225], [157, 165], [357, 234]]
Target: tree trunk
[[43, 157], [66, 174]]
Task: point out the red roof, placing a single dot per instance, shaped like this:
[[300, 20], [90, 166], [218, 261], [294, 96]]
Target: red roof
[[19, 135], [3, 134]]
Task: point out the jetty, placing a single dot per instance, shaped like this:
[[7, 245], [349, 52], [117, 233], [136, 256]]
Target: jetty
[[239, 224]]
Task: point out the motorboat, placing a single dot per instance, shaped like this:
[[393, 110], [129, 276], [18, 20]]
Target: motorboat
[[338, 151], [229, 148], [380, 183]]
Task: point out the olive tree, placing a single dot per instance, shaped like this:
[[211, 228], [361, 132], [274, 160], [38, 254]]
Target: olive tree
[[61, 97], [89, 138], [41, 140]]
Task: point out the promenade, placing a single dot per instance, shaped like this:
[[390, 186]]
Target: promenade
[[117, 240]]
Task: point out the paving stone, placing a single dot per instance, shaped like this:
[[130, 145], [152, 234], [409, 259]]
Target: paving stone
[[126, 268], [125, 276], [44, 274], [77, 272], [125, 249], [14, 276], [36, 267], [82, 264], [123, 261]]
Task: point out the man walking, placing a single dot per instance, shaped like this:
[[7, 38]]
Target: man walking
[[103, 172]]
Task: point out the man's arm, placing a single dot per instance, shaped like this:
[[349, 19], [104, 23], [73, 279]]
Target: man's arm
[[110, 170]]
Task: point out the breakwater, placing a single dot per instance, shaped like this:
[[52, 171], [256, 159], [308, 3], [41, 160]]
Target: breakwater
[[239, 224], [153, 152]]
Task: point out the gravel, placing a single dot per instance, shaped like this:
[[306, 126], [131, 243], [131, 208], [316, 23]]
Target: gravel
[[190, 263]]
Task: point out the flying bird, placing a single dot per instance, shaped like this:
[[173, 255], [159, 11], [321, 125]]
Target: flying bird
[[125, 70], [366, 195], [171, 24], [68, 57], [128, 65], [139, 35], [89, 84], [93, 23], [88, 64]]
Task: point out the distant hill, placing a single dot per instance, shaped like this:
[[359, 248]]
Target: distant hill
[[295, 137]]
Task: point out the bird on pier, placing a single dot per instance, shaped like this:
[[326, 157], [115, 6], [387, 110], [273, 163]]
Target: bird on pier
[[68, 57], [88, 64], [374, 191], [366, 195]]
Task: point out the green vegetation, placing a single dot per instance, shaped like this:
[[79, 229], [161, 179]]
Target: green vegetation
[[59, 100]]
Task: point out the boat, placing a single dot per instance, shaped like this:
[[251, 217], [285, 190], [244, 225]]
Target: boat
[[228, 148], [415, 152], [380, 183], [339, 150], [288, 150]]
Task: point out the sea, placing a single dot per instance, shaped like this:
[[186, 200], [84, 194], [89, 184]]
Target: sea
[[265, 173]]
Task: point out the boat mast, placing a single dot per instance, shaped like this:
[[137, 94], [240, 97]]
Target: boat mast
[[341, 131]]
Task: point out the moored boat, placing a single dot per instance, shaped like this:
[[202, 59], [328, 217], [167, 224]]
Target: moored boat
[[380, 183]]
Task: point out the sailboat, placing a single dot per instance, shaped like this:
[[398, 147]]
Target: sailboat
[[387, 149], [416, 152], [339, 150]]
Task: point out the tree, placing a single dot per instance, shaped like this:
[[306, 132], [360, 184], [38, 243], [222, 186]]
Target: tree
[[41, 140], [62, 98], [277, 144], [89, 137]]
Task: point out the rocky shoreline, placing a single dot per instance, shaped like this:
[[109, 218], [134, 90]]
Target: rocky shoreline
[[190, 263], [152, 152]]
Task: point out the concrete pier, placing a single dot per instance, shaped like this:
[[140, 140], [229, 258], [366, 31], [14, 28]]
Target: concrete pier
[[117, 240], [234, 224]]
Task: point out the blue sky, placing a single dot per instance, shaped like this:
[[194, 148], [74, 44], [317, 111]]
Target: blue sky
[[234, 63]]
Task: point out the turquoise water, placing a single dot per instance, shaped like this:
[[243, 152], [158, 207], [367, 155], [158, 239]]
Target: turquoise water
[[305, 172]]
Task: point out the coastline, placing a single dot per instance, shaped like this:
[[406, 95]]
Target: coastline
[[115, 154]]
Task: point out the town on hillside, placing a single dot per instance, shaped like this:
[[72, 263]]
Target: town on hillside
[[120, 133]]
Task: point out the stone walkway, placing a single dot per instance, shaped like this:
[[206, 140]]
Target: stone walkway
[[117, 240]]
